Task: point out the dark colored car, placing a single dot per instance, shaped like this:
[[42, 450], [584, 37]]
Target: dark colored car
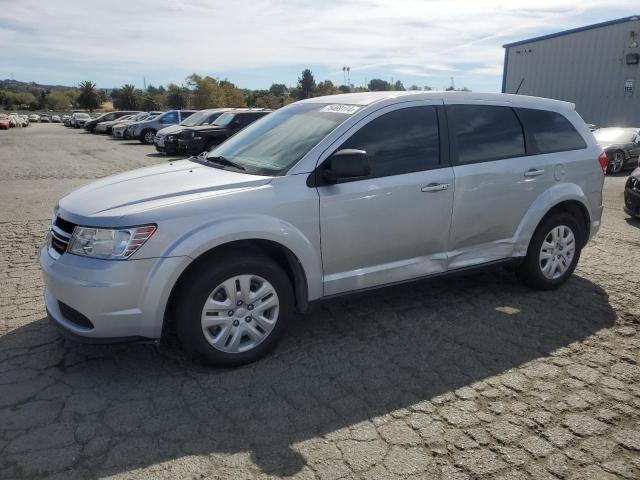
[[195, 140], [106, 117], [632, 194], [166, 140], [622, 146]]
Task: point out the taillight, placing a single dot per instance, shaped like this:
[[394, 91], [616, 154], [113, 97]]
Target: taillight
[[604, 160]]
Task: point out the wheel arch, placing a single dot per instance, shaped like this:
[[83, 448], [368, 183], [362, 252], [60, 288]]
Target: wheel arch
[[561, 198], [273, 250]]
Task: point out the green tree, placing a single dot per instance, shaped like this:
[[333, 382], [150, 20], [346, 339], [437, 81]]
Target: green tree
[[127, 98], [306, 84], [88, 97], [379, 85], [414, 87], [398, 86], [278, 90], [326, 88], [177, 97]]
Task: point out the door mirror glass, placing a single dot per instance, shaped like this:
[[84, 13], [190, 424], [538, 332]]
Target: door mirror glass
[[346, 163]]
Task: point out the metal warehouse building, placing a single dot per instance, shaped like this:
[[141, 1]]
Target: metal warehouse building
[[597, 67]]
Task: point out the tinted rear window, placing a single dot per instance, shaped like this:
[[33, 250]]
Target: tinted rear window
[[549, 131], [485, 132]]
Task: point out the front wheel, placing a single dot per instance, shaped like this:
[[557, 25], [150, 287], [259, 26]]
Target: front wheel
[[553, 253], [234, 311]]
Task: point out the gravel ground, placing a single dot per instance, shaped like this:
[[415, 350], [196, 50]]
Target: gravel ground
[[468, 377]]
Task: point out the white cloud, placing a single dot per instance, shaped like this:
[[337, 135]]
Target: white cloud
[[401, 37]]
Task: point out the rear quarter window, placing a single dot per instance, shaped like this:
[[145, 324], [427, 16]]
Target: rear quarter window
[[549, 132]]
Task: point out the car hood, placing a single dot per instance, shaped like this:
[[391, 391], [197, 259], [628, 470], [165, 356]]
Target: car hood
[[207, 128], [105, 202], [170, 129]]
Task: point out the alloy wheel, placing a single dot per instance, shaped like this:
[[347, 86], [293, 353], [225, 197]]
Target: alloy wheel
[[240, 313]]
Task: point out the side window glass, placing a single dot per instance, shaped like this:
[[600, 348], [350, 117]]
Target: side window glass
[[402, 141], [549, 131], [486, 132], [171, 117]]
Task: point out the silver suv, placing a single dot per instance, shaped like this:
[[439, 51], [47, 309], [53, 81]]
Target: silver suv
[[323, 197]]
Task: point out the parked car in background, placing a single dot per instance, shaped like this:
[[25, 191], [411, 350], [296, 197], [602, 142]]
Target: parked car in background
[[65, 117], [632, 194], [4, 122], [120, 127], [55, 118], [79, 119], [166, 140], [145, 131], [14, 121], [196, 140], [326, 196], [34, 118], [107, 117], [105, 127], [44, 118], [622, 146]]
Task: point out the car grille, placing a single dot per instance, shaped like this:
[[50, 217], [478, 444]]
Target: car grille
[[61, 231]]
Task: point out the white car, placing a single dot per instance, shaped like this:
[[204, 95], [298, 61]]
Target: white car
[[55, 119], [34, 118]]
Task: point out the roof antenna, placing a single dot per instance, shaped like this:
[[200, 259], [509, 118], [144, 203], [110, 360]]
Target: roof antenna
[[519, 85]]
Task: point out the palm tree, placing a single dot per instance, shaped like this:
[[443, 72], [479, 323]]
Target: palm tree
[[89, 97], [127, 97]]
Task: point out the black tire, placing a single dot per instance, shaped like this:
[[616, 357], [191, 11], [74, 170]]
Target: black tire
[[616, 165], [144, 136], [197, 288], [530, 272]]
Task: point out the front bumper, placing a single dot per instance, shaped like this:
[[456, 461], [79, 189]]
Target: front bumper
[[194, 146], [632, 197], [122, 299]]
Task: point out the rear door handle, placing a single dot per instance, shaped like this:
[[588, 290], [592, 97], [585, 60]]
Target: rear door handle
[[435, 187], [533, 172]]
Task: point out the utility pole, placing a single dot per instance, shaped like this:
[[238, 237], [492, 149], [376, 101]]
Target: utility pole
[[348, 76], [144, 82], [453, 84]]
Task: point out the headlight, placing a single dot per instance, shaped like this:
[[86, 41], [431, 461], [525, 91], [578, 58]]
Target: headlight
[[116, 244], [170, 138]]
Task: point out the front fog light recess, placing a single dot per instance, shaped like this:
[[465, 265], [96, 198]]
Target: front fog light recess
[[109, 243]]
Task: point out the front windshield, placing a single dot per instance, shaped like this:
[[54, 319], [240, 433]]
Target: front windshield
[[224, 119], [614, 135], [277, 141], [78, 115], [140, 116], [197, 118]]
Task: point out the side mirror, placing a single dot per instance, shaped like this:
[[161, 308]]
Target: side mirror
[[346, 163]]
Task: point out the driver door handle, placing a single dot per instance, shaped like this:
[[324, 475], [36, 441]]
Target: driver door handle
[[435, 187], [533, 172]]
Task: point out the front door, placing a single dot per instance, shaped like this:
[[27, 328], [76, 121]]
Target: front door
[[393, 225]]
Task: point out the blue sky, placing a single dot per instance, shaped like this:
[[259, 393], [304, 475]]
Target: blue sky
[[257, 43]]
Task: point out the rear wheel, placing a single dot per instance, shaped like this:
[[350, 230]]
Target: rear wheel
[[553, 253], [147, 136], [235, 311]]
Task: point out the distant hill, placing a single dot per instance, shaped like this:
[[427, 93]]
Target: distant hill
[[18, 86]]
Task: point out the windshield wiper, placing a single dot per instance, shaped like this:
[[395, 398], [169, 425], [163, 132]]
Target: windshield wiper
[[225, 161]]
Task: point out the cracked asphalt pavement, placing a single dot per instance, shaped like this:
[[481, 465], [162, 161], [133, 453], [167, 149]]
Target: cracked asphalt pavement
[[468, 377]]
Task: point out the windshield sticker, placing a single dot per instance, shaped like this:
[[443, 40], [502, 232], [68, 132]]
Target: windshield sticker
[[346, 109]]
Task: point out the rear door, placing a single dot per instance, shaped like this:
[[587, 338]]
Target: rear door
[[495, 181], [393, 225]]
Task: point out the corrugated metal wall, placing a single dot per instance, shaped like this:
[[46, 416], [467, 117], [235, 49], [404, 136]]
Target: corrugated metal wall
[[587, 68]]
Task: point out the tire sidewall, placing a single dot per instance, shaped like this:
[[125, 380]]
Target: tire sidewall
[[530, 271], [199, 285]]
